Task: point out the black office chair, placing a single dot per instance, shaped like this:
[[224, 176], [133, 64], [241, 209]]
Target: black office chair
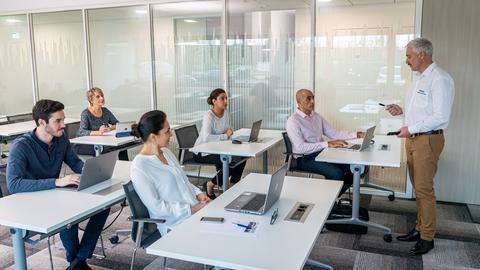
[[289, 159], [144, 228], [186, 138], [71, 129], [19, 118]]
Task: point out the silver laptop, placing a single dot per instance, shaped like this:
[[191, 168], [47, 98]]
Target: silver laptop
[[97, 170], [259, 203], [253, 133], [365, 143], [124, 126]]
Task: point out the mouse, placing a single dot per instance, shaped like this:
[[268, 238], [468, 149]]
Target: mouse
[[236, 142]]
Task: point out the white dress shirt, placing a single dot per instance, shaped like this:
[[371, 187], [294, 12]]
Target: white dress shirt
[[164, 189], [429, 100]]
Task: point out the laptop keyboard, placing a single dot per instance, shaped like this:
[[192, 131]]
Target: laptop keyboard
[[355, 147], [256, 203]]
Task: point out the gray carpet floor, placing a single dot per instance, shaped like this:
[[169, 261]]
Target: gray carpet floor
[[457, 245]]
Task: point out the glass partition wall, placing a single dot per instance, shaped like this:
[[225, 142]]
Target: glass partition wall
[[120, 59], [188, 57], [170, 56], [60, 58], [360, 61], [16, 86], [268, 59]]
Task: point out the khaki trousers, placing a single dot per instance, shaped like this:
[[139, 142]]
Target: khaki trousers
[[423, 153]]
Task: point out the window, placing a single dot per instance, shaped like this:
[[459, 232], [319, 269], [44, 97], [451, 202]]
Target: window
[[16, 86]]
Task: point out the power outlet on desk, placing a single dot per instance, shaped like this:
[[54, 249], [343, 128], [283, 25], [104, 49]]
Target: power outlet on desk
[[299, 212]]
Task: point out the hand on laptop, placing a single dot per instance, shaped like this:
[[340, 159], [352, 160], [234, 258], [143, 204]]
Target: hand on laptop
[[71, 179], [360, 134], [229, 132], [337, 143]]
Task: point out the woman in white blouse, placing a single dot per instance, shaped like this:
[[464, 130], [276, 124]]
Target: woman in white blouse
[[216, 127], [158, 178]]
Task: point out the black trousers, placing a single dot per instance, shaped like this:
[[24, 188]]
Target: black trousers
[[235, 173]]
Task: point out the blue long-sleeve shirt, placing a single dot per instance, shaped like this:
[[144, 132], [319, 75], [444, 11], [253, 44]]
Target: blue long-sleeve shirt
[[34, 165]]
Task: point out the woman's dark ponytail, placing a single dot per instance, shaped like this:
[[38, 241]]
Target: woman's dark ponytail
[[150, 122]]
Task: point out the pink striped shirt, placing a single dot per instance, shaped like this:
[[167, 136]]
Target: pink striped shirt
[[306, 131]]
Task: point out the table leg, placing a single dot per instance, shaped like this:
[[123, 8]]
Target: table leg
[[357, 170], [226, 170], [98, 149], [318, 264], [19, 248], [265, 162]]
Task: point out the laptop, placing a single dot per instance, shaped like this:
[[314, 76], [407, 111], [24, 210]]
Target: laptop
[[123, 129], [259, 203], [253, 133], [97, 170], [124, 126], [365, 143]]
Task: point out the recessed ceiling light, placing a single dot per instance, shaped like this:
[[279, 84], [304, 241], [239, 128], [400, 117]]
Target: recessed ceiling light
[[190, 21], [141, 11]]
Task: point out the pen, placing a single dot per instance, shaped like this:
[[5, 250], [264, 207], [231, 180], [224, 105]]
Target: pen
[[381, 104], [274, 216], [242, 225]]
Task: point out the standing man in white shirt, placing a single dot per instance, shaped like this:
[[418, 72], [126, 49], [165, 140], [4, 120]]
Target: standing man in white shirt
[[428, 105]]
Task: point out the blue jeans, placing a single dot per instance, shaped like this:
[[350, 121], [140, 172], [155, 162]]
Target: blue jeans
[[83, 250], [330, 171]]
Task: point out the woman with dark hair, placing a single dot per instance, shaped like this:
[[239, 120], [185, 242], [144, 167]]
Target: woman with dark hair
[[216, 127], [157, 176], [95, 121]]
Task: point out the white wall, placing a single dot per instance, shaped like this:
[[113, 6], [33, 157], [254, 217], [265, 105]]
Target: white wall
[[453, 27]]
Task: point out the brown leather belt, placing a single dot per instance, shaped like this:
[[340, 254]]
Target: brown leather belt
[[431, 132]]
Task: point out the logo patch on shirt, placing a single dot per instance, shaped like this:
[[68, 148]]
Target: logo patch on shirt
[[421, 92]]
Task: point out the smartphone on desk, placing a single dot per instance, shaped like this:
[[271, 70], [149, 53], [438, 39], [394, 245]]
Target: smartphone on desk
[[212, 219]]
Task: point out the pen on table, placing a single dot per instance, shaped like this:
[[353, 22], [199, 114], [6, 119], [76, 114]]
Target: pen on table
[[274, 216], [242, 225], [381, 104]]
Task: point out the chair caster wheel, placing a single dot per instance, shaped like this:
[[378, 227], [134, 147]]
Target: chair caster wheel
[[387, 238], [113, 239], [391, 197]]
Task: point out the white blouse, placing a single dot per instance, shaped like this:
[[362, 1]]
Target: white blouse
[[164, 189], [213, 128]]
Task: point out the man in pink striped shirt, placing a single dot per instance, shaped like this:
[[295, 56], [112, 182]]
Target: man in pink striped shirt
[[305, 129]]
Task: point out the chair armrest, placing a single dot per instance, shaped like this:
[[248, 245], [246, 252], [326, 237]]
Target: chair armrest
[[147, 220], [296, 154]]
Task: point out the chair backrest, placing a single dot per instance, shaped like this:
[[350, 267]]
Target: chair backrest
[[186, 137], [19, 118], [72, 129], [292, 162], [139, 211]]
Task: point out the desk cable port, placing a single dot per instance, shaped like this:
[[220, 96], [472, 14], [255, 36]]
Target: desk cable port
[[299, 212]]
